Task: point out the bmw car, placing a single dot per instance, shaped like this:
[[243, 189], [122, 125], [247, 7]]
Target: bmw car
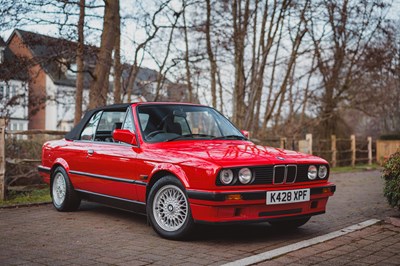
[[182, 164]]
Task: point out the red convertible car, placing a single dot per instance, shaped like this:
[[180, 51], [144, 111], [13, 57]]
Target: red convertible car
[[181, 164]]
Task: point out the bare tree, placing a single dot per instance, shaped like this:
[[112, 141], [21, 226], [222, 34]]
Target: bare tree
[[211, 57], [100, 85], [117, 59], [163, 68], [261, 53], [340, 39], [141, 46], [80, 63], [241, 20], [187, 65]]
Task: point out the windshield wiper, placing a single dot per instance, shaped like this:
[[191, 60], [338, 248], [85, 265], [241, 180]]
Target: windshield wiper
[[231, 137], [191, 136]]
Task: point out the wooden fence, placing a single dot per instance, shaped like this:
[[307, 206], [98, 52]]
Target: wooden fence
[[337, 151], [384, 148], [24, 158], [341, 151]]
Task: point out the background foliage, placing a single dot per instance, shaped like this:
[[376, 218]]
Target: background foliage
[[391, 175]]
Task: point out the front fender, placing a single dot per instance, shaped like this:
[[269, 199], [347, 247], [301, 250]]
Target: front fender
[[173, 169]]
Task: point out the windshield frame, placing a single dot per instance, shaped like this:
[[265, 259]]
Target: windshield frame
[[218, 119]]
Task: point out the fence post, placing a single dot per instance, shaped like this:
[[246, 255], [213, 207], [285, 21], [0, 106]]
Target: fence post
[[369, 150], [333, 149], [2, 158], [353, 150], [309, 141], [283, 143]]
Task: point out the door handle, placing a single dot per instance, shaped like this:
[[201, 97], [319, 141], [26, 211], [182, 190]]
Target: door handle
[[90, 152]]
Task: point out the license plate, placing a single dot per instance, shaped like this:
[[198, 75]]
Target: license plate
[[288, 196]]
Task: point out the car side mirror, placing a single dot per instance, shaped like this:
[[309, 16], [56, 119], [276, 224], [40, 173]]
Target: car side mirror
[[125, 136], [245, 133]]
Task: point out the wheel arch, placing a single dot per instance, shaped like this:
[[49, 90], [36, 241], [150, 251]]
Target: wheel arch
[[161, 172], [58, 162]]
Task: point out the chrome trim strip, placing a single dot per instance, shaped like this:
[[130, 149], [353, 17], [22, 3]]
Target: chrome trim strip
[[116, 179], [284, 181], [295, 174], [141, 183], [284, 177]]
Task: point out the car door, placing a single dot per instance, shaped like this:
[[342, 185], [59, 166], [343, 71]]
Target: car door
[[112, 164], [109, 168], [77, 152]]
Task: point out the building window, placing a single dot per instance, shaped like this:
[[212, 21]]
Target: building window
[[72, 70], [7, 94], [1, 92], [1, 55]]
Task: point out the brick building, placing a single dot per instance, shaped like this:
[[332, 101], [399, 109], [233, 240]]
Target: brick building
[[48, 77]]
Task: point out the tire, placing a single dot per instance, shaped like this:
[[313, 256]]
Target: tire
[[63, 195], [290, 224], [168, 209]]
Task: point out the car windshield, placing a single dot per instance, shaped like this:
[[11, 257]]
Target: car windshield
[[160, 123]]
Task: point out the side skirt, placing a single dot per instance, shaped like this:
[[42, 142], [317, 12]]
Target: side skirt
[[114, 202]]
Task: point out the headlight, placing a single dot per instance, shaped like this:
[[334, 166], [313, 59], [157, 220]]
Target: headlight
[[245, 175], [322, 171], [226, 176], [312, 172]]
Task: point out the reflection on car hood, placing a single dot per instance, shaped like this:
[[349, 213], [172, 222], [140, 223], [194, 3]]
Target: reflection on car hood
[[235, 153]]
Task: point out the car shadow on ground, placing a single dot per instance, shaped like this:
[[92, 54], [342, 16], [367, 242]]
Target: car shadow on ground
[[254, 232], [230, 233]]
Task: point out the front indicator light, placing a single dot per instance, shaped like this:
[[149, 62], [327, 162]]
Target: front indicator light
[[312, 172], [326, 190], [233, 197], [226, 176], [245, 176]]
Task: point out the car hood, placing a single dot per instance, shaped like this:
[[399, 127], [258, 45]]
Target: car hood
[[234, 153]]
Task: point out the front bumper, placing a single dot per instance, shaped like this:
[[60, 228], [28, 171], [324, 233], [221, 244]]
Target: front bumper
[[250, 206]]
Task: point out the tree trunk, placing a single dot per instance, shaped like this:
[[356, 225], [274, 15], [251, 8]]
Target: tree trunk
[[188, 74], [117, 60], [100, 85], [211, 57], [80, 64], [240, 26]]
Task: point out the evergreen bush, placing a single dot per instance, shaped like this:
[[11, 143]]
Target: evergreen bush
[[391, 175]]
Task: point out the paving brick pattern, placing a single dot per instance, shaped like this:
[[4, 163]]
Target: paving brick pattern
[[375, 245], [97, 235]]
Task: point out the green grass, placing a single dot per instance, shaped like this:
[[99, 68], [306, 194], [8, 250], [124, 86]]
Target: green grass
[[34, 196], [357, 168]]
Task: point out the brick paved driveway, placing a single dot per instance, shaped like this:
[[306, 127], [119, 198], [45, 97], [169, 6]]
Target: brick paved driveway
[[100, 235]]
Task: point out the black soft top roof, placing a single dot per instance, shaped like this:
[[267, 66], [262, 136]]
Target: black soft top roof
[[74, 134]]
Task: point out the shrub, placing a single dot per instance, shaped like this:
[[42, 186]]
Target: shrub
[[391, 175]]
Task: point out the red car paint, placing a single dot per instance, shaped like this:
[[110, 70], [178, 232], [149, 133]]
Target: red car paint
[[196, 163]]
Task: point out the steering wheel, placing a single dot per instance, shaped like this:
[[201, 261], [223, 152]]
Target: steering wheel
[[154, 133]]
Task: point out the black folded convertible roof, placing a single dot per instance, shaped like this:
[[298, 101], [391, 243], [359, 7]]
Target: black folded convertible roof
[[74, 134]]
